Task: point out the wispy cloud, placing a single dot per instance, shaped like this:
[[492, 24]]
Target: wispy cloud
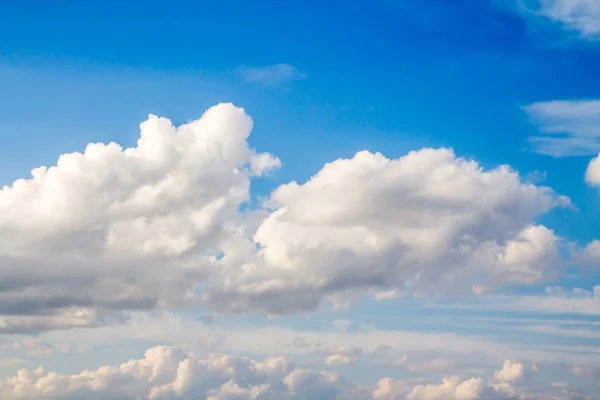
[[582, 16], [567, 127], [271, 75]]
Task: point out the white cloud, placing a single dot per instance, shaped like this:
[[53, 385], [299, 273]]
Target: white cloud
[[170, 373], [426, 222], [113, 228], [592, 173], [582, 16], [271, 75], [567, 127], [511, 371], [340, 355]]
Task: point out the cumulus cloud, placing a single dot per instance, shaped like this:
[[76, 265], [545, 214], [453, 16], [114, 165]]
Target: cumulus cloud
[[271, 75], [592, 173], [167, 372], [567, 127], [161, 225], [511, 371], [426, 222], [340, 355], [114, 228]]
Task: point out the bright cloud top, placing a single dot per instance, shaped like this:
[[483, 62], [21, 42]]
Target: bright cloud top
[[567, 127], [113, 228], [426, 222]]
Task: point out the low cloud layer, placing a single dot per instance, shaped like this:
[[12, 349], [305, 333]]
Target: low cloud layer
[[170, 373]]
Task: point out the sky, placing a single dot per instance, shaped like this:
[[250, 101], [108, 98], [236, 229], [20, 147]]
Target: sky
[[285, 199]]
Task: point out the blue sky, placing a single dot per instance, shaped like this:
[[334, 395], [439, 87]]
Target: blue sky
[[499, 82]]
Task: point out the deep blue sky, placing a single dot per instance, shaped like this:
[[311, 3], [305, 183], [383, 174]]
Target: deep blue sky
[[383, 75]]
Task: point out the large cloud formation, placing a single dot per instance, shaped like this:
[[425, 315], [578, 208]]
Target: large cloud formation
[[113, 228], [170, 373], [161, 225], [428, 221]]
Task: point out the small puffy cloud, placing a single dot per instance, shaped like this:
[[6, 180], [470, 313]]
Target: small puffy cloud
[[271, 75], [592, 173], [340, 355], [451, 388], [427, 222], [511, 371], [567, 127]]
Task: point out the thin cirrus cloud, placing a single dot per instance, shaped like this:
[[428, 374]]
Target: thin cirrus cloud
[[579, 19], [271, 75], [581, 16], [566, 127]]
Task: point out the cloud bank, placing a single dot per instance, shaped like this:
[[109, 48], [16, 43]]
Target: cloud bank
[[162, 225], [170, 373]]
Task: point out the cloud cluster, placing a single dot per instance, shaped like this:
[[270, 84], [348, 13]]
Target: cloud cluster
[[112, 228], [161, 225], [428, 221], [170, 373]]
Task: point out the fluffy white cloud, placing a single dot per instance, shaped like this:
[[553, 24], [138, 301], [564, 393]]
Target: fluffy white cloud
[[451, 388], [592, 173], [428, 221], [170, 373], [113, 228], [511, 371], [159, 225], [567, 127]]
